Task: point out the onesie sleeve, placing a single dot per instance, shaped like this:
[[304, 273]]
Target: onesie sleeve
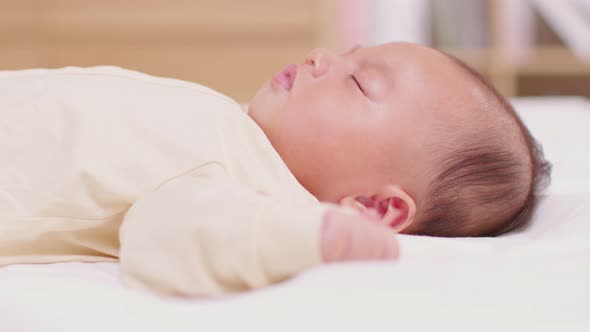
[[198, 236]]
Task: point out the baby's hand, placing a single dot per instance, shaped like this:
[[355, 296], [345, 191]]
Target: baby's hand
[[347, 236]]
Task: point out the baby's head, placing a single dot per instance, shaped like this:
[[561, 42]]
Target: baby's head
[[406, 130]]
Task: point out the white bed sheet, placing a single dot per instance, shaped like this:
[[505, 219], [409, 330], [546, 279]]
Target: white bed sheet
[[534, 280]]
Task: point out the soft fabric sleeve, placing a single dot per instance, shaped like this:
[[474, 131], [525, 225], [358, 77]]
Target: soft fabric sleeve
[[200, 237]]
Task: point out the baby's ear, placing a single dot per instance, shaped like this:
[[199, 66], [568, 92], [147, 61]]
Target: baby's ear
[[391, 205], [396, 206]]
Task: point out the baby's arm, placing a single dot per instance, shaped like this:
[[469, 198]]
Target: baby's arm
[[196, 236]]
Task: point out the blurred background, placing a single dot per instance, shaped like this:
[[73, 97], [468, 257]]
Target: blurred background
[[526, 47]]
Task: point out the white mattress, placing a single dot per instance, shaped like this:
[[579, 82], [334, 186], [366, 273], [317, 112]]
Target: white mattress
[[534, 280]]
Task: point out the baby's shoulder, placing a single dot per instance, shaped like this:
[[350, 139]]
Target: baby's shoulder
[[105, 78]]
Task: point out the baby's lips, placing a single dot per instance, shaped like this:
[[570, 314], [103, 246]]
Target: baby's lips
[[291, 73], [286, 77]]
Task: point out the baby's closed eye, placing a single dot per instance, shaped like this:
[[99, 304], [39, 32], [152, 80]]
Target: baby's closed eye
[[358, 84]]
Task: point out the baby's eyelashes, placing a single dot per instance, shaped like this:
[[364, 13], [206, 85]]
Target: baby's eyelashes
[[358, 84]]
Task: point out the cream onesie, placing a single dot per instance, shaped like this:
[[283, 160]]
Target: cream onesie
[[169, 177]]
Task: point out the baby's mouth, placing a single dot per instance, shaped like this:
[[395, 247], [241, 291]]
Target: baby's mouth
[[286, 77]]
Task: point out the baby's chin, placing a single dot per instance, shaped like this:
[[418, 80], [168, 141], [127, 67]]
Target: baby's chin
[[265, 102]]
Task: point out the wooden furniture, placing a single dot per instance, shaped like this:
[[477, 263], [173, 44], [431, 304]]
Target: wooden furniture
[[541, 70], [232, 46]]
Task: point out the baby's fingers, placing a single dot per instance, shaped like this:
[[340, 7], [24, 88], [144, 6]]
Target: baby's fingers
[[353, 237]]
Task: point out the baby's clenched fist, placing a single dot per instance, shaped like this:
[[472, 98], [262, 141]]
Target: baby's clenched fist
[[351, 236]]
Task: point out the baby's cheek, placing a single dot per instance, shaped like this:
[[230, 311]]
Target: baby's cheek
[[321, 119]]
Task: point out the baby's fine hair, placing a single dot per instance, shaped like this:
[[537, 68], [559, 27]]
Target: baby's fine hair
[[479, 187]]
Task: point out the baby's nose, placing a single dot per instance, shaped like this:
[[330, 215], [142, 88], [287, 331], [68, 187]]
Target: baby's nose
[[320, 59]]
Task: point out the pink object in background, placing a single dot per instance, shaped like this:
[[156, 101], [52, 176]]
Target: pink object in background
[[354, 23], [371, 22]]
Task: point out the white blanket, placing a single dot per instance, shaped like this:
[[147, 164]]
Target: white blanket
[[533, 280]]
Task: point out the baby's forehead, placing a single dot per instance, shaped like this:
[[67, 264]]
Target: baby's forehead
[[421, 68], [437, 89], [408, 54]]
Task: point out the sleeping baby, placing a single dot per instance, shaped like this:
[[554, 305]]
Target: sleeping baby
[[195, 197]]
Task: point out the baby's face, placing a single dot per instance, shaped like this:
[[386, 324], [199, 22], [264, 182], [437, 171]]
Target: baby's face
[[346, 123]]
